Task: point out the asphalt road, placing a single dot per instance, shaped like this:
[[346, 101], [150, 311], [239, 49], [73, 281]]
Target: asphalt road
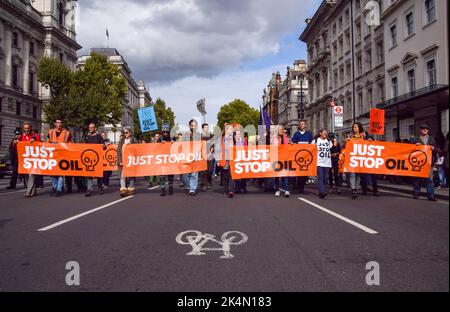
[[293, 244]]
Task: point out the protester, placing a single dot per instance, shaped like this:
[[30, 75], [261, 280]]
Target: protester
[[446, 158], [334, 177], [323, 160], [302, 136], [93, 137], [58, 135], [14, 160], [165, 138], [354, 178], [30, 136], [206, 175], [223, 149], [126, 184], [106, 173], [281, 138], [240, 184], [191, 179], [372, 178], [425, 139]]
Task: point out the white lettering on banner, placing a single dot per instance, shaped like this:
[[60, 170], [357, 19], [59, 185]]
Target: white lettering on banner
[[363, 156], [252, 155], [255, 161], [254, 167], [163, 159], [35, 157]]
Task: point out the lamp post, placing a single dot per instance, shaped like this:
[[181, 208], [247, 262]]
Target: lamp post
[[302, 108]]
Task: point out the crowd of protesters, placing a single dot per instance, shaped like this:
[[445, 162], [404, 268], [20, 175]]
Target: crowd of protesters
[[329, 179]]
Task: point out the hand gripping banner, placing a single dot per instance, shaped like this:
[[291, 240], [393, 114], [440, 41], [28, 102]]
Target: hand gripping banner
[[140, 160], [62, 159], [268, 161], [387, 158]]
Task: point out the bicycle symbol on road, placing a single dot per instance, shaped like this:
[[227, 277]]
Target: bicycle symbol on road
[[198, 239]]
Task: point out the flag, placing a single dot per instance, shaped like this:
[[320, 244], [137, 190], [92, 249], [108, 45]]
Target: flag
[[264, 118], [201, 106], [264, 126]]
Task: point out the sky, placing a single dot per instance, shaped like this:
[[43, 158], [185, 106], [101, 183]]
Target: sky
[[185, 50]]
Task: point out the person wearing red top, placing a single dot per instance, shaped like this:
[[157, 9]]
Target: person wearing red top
[[30, 136], [280, 138]]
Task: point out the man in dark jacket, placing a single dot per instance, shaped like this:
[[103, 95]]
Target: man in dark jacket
[[14, 159], [93, 137], [302, 136]]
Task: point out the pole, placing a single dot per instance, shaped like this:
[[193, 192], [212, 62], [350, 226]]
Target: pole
[[353, 63], [332, 119], [302, 112]]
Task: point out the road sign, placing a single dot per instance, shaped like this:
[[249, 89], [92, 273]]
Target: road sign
[[338, 116], [332, 104], [338, 110]]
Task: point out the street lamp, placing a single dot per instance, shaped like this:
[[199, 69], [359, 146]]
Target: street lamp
[[302, 108]]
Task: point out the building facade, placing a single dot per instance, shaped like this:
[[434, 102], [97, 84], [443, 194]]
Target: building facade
[[137, 95], [30, 30], [392, 55], [416, 67]]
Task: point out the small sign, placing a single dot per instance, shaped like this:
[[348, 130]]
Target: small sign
[[332, 104], [147, 119]]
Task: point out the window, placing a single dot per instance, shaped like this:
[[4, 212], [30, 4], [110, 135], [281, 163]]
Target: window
[[34, 111], [61, 13], [430, 10], [394, 83], [381, 92], [380, 52], [341, 74], [15, 40], [409, 23], [358, 32], [340, 23], [31, 48], [31, 83], [369, 59], [431, 72], [61, 57], [18, 104], [358, 5], [393, 31], [15, 76], [369, 98], [360, 102], [335, 74], [341, 46], [411, 80], [359, 64], [349, 71], [334, 29], [347, 16], [347, 41]]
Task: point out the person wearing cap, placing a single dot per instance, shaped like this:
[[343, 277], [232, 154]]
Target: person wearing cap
[[425, 139], [165, 138], [14, 159], [55, 136]]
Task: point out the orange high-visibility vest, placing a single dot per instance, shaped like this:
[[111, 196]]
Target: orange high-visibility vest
[[62, 138]]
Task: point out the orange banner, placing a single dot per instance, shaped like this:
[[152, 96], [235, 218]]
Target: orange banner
[[341, 161], [62, 159], [376, 121], [267, 161], [152, 159], [110, 158], [387, 158]]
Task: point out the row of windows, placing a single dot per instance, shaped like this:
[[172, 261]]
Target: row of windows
[[429, 13], [19, 109]]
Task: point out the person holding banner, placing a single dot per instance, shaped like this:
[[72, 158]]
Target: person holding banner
[[425, 139], [55, 136], [93, 137], [370, 176], [323, 160], [224, 147], [126, 184], [357, 134], [165, 137], [106, 173], [280, 138], [240, 184], [191, 179], [302, 136], [29, 135]]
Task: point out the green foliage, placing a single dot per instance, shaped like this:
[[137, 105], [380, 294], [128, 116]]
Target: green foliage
[[93, 93], [164, 114], [239, 112]]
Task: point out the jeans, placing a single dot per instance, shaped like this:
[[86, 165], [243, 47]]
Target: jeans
[[322, 174], [241, 185], [442, 177], [373, 179], [429, 182], [285, 181], [31, 185], [227, 181], [90, 183], [191, 181], [354, 179], [57, 183]]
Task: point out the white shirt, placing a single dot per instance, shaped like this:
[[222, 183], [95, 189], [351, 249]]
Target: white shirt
[[323, 152]]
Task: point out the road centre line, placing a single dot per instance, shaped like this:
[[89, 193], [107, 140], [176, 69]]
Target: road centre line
[[54, 225], [356, 224]]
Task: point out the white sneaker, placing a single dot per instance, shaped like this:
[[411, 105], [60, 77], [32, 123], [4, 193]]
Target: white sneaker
[[287, 194], [277, 194]]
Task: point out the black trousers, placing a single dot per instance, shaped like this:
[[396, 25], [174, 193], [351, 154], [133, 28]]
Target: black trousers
[[374, 179], [14, 176], [333, 176], [227, 181]]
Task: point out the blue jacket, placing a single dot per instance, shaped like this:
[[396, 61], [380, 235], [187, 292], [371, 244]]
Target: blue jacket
[[305, 137]]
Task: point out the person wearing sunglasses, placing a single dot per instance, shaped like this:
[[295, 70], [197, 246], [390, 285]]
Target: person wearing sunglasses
[[126, 184]]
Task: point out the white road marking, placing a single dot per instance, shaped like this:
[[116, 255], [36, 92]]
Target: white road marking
[[360, 226], [82, 214]]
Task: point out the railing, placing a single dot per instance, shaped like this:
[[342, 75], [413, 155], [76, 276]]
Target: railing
[[411, 95]]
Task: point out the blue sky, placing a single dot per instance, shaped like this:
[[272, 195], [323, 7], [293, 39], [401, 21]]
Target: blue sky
[[185, 50]]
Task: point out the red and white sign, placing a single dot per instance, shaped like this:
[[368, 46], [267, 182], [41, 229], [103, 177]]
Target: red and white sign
[[338, 116], [338, 110], [332, 104]]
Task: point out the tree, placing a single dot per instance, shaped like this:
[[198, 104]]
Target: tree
[[163, 113], [238, 111], [57, 77], [98, 91]]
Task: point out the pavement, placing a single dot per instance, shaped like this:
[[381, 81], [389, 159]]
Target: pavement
[[300, 243]]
